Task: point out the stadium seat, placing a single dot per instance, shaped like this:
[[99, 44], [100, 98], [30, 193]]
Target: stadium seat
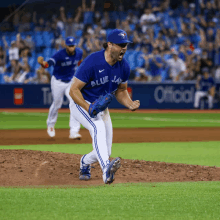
[[32, 62], [47, 52], [79, 33]]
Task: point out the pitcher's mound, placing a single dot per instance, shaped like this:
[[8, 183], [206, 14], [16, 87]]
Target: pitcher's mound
[[25, 167]]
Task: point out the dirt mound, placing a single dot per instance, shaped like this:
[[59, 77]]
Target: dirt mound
[[120, 135], [24, 167]]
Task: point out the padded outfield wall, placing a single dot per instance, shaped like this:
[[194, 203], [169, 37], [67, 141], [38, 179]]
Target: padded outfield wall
[[151, 96]]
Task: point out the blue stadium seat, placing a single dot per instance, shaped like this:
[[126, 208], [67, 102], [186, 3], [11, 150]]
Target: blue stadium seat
[[47, 52], [132, 26], [39, 42], [63, 33], [32, 62], [79, 33], [47, 38]]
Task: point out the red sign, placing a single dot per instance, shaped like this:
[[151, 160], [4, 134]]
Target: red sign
[[18, 96], [130, 91]]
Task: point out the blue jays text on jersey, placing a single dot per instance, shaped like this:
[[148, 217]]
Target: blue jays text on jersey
[[100, 77], [64, 64]]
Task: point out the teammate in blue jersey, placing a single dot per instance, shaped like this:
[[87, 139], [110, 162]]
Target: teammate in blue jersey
[[65, 63], [101, 72], [205, 88]]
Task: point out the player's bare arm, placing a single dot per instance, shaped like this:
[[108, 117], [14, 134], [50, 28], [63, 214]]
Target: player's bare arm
[[76, 95], [123, 98]]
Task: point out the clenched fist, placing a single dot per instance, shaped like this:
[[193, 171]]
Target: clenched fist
[[40, 60], [134, 105]]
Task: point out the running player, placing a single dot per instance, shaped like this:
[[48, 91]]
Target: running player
[[65, 63], [101, 72]]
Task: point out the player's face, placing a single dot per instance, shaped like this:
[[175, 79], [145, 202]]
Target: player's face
[[70, 49], [118, 51]]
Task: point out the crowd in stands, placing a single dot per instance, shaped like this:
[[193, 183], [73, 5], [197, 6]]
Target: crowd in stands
[[168, 44]]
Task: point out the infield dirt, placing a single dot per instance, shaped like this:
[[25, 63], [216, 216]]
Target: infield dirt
[[24, 167]]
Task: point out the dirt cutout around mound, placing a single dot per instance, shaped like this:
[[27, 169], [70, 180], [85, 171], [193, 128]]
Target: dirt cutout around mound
[[131, 135], [34, 168]]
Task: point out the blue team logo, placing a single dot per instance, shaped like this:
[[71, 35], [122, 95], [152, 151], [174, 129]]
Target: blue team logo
[[122, 35]]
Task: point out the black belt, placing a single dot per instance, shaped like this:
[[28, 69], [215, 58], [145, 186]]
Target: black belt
[[64, 81]]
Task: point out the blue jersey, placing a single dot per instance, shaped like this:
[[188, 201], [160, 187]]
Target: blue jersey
[[154, 69], [64, 64], [206, 84], [100, 77]]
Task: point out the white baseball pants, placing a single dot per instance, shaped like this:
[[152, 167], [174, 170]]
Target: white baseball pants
[[100, 129], [59, 89], [201, 94]]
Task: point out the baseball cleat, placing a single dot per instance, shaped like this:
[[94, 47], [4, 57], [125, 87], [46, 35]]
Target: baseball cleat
[[84, 173], [108, 176], [51, 131], [75, 136]]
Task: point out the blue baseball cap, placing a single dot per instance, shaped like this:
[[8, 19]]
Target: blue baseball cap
[[118, 36], [70, 41]]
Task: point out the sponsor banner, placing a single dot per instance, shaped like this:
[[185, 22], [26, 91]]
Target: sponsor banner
[[151, 96], [18, 96]]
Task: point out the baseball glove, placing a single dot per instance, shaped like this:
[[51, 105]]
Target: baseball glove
[[100, 104]]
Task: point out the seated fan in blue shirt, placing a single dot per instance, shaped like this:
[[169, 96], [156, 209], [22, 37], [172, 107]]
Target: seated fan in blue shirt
[[205, 88]]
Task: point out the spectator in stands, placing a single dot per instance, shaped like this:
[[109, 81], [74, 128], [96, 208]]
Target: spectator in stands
[[184, 9], [147, 20], [140, 72], [205, 61], [22, 74], [97, 18], [177, 67], [57, 35], [10, 70], [211, 53], [71, 25], [217, 73], [105, 21], [2, 60], [153, 63], [132, 18], [155, 5], [210, 36], [18, 72], [209, 11], [140, 6], [29, 42], [25, 21], [13, 50], [205, 88], [40, 24], [43, 76], [88, 13]]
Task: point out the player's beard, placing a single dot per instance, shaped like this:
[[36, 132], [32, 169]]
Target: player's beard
[[117, 56], [70, 52]]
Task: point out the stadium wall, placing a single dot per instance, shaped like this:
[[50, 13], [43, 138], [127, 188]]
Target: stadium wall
[[151, 96]]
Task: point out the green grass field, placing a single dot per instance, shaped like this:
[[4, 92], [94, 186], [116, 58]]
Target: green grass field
[[189, 200], [10, 120]]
